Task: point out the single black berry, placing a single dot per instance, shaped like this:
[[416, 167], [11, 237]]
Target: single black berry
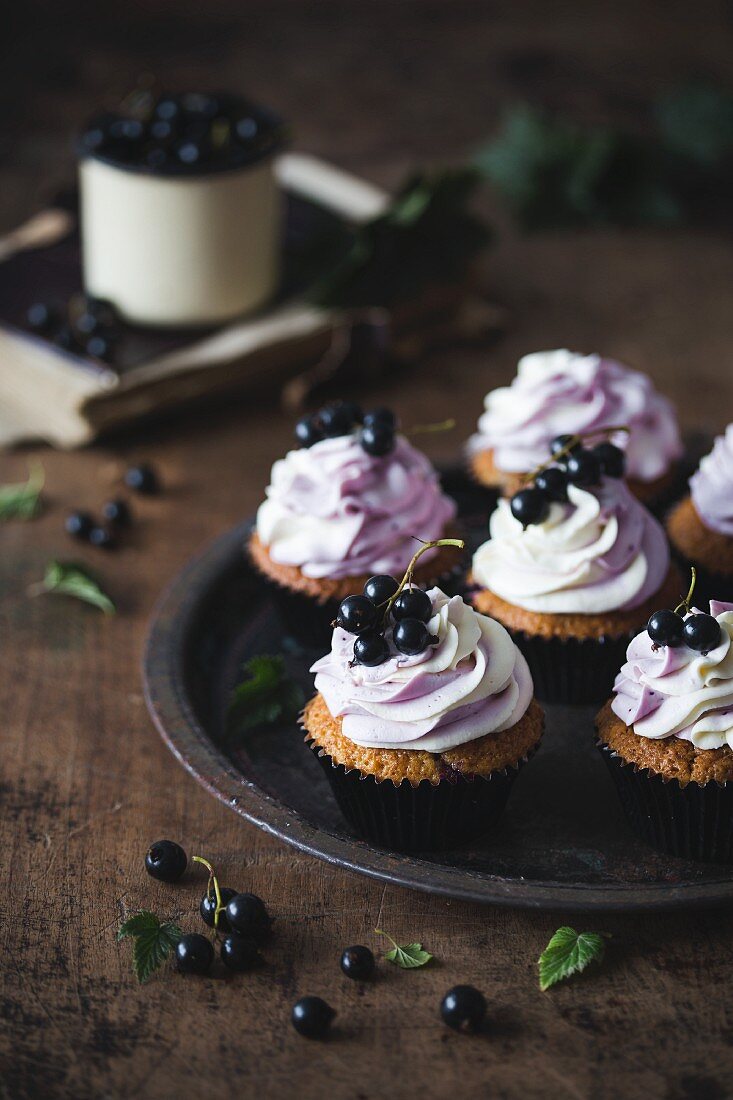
[[65, 337], [412, 603], [553, 482], [583, 467], [358, 963], [370, 650], [381, 588], [308, 431], [559, 443], [377, 439], [356, 614], [117, 512], [41, 317], [142, 478], [385, 418], [411, 637], [312, 1017], [78, 525], [463, 1008], [337, 419], [96, 314], [99, 346], [611, 458], [101, 537], [239, 953], [248, 917], [166, 860], [194, 953], [529, 506], [701, 632], [666, 627], [207, 908], [167, 107]]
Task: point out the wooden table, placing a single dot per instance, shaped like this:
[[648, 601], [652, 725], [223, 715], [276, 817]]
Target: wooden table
[[87, 785]]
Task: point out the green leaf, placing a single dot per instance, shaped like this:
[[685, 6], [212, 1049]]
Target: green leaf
[[22, 501], [72, 579], [567, 953], [696, 122], [154, 940], [264, 697], [409, 957]]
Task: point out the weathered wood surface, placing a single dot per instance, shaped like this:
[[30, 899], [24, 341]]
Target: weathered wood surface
[[86, 784]]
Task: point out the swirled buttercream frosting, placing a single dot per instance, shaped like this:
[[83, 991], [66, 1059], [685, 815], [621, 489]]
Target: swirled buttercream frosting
[[561, 392], [335, 511], [473, 682], [711, 487], [601, 551], [665, 691]]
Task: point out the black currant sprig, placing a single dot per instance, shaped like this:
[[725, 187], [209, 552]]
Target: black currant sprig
[[220, 906], [570, 464], [376, 429], [700, 632]]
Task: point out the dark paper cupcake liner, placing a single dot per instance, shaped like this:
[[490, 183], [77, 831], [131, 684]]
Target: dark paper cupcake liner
[[427, 817], [693, 822], [573, 670]]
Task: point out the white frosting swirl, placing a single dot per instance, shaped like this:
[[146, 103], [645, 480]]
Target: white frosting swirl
[[600, 552], [665, 691], [473, 682], [335, 511], [562, 392]]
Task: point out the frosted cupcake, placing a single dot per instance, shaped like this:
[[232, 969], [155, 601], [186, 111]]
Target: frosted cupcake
[[667, 733], [562, 393], [700, 527], [344, 506], [421, 749], [573, 569]]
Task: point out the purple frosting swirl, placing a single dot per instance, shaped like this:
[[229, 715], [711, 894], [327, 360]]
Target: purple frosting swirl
[[711, 487]]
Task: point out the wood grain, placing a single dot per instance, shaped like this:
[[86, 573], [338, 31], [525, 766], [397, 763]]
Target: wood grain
[[86, 785]]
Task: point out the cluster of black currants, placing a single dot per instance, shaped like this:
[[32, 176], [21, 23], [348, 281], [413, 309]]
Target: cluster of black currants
[[186, 132], [571, 464], [241, 918], [384, 604], [376, 428], [84, 325], [700, 632], [116, 514]]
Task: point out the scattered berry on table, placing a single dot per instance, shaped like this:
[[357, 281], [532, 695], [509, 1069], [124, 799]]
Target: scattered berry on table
[[101, 537], [207, 908], [239, 953], [166, 860], [370, 650], [666, 627], [357, 962], [312, 1017], [381, 588], [412, 603], [117, 512], [356, 614], [248, 916], [78, 525], [463, 1008], [194, 953], [142, 478], [42, 317], [529, 506]]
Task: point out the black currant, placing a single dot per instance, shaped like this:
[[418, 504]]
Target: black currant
[[98, 346], [385, 418], [64, 337], [611, 458], [381, 588], [356, 614], [463, 1008], [308, 431], [117, 512], [583, 467], [239, 953], [167, 107], [559, 443], [370, 650], [337, 419], [665, 627], [553, 482], [78, 525], [354, 411], [41, 317], [357, 962], [166, 860], [411, 637], [248, 917], [101, 537], [312, 1017], [377, 439], [207, 908], [96, 314], [194, 953], [701, 632], [143, 479], [529, 506], [412, 603]]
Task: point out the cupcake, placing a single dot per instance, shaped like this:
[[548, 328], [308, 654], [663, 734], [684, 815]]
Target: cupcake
[[573, 569], [666, 734], [345, 506], [422, 745], [562, 392], [700, 528]]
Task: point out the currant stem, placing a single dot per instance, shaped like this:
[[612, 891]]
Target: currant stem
[[217, 892], [407, 579], [379, 932], [685, 605], [441, 426], [573, 442]]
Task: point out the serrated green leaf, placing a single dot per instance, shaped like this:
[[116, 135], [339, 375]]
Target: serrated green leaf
[[409, 957], [22, 501], [567, 953], [154, 940], [72, 579], [264, 697]]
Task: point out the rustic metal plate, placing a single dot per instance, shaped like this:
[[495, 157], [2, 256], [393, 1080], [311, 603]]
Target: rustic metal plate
[[563, 843]]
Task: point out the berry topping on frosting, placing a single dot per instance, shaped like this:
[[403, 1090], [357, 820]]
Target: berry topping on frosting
[[376, 430], [694, 629]]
